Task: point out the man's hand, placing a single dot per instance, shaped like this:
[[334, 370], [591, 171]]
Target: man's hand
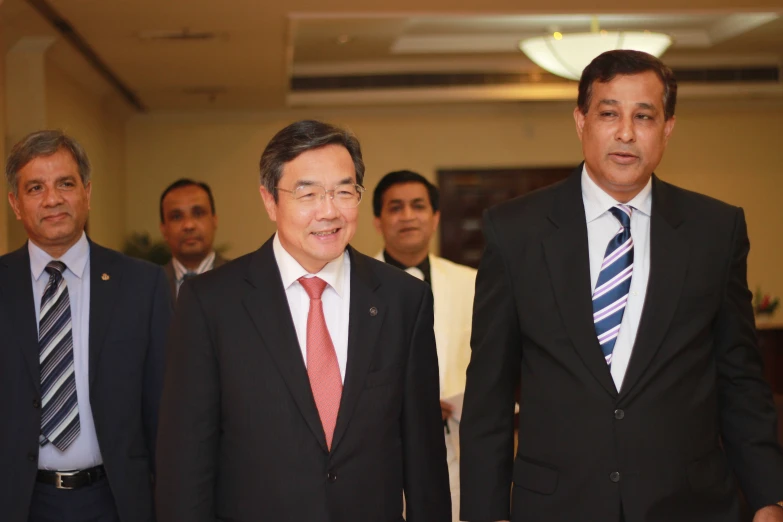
[[769, 514], [445, 410]]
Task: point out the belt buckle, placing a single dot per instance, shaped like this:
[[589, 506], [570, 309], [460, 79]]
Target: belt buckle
[[58, 483]]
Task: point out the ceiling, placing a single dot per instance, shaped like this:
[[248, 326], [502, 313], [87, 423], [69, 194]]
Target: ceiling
[[192, 55]]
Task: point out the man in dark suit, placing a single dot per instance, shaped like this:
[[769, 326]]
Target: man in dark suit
[[619, 304], [302, 379], [81, 364], [188, 223]]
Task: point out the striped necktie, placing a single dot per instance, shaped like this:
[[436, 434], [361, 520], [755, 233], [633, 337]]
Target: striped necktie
[[60, 409], [614, 281]]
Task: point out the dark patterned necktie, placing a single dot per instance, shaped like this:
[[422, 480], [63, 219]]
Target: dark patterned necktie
[[60, 408]]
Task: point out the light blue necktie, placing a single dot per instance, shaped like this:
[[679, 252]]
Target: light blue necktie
[[614, 281], [60, 408]]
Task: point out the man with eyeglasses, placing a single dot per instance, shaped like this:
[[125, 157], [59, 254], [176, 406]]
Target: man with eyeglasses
[[302, 379]]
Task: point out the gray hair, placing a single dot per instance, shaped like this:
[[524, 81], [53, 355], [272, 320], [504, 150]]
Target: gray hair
[[42, 144], [300, 137]]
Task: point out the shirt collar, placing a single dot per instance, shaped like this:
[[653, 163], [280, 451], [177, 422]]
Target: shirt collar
[[291, 270], [75, 258], [424, 266], [597, 202], [204, 266]]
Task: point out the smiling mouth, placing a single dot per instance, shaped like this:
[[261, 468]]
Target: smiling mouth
[[326, 233]]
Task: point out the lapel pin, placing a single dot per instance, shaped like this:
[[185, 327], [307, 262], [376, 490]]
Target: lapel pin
[[373, 311], [105, 277]]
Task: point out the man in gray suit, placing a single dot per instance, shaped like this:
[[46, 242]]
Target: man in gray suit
[[188, 223]]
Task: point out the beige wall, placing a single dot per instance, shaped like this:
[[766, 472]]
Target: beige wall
[[728, 151], [98, 123]]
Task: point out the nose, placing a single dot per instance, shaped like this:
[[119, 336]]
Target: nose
[[326, 208], [626, 133], [407, 213], [189, 223], [53, 197]]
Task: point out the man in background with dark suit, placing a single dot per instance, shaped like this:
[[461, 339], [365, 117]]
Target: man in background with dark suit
[[81, 363], [620, 305], [302, 379], [188, 223]]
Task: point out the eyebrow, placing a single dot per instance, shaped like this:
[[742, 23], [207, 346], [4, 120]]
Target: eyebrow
[[308, 183], [56, 180], [187, 207], [414, 200], [641, 105]]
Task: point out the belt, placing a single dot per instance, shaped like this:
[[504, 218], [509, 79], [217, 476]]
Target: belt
[[71, 479]]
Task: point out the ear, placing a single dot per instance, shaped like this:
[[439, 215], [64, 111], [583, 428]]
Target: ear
[[14, 205], [377, 223], [269, 203], [579, 119], [435, 220], [668, 129]]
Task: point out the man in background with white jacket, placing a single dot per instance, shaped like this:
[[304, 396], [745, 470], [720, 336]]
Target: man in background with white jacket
[[407, 214]]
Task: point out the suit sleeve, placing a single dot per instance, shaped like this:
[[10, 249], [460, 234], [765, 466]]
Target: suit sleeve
[[487, 427], [159, 322], [747, 412], [426, 476], [190, 417]]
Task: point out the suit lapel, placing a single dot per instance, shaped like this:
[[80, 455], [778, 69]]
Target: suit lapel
[[668, 265], [105, 277], [16, 287], [364, 327], [171, 277], [267, 305], [568, 262]]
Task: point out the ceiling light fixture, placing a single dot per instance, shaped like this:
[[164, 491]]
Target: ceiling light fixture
[[567, 55]]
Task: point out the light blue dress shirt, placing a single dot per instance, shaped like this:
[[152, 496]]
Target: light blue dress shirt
[[84, 452]]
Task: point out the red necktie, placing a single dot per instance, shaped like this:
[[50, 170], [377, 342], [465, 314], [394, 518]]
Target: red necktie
[[322, 367]]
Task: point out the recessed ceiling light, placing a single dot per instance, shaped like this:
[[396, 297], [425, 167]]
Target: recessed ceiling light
[[343, 39]]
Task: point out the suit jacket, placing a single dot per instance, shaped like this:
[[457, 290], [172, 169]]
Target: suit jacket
[[693, 407], [240, 436], [452, 288], [129, 318], [171, 275]]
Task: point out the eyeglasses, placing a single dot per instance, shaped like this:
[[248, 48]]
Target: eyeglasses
[[346, 195]]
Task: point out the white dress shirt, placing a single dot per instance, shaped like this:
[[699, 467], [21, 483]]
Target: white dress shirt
[[336, 299], [179, 269], [84, 451], [602, 226]]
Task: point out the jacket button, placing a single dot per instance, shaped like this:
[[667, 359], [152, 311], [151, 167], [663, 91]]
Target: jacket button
[[619, 414], [614, 476], [36, 403], [331, 477], [32, 457]]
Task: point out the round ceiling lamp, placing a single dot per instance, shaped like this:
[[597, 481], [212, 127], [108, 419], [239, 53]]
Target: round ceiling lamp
[[567, 55]]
